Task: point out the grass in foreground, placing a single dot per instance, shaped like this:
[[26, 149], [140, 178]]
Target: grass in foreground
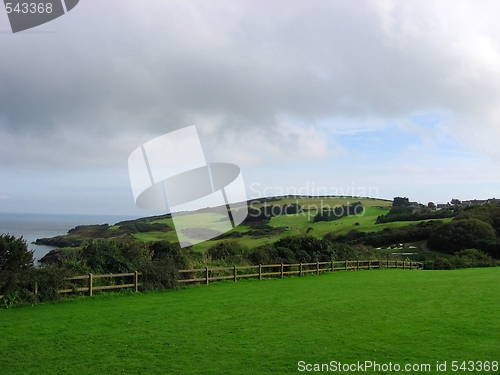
[[258, 327]]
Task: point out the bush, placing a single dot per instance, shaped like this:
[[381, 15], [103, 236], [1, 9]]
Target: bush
[[230, 251], [169, 253], [316, 250], [443, 264], [260, 254], [467, 258], [50, 280], [17, 287], [159, 275], [460, 234], [104, 256]]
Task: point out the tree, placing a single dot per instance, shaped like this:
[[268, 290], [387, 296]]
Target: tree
[[14, 254], [400, 202], [431, 205], [16, 270], [455, 201], [460, 234]]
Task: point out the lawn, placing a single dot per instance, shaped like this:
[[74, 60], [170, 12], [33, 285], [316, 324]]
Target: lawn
[[261, 327]]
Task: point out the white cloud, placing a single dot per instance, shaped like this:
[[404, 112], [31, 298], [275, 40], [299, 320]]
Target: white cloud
[[269, 84]]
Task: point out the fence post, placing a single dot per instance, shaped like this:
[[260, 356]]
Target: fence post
[[260, 271], [235, 273], [90, 285], [333, 266], [317, 267], [387, 262], [369, 264], [300, 269], [346, 264], [281, 271], [357, 265], [136, 281], [206, 275], [36, 288]]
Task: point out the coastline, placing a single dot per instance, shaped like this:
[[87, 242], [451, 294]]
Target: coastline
[[34, 226]]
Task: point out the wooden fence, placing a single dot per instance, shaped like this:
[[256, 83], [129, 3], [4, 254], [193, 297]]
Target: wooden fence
[[206, 274], [90, 287]]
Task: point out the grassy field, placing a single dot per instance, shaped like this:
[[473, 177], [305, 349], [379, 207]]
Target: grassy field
[[294, 224], [263, 327]]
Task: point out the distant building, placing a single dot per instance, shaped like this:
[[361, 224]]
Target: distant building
[[479, 202]]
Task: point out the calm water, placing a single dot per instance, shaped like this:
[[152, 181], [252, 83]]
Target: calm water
[[33, 226]]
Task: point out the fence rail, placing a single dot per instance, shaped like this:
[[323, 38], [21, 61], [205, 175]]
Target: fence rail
[[231, 273], [206, 274], [90, 287]]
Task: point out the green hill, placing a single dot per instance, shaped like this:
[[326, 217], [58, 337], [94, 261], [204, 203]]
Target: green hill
[[157, 228]]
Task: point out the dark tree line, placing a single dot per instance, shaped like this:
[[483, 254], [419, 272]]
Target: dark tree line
[[266, 212], [290, 249], [404, 210], [339, 212], [387, 236], [400, 213]]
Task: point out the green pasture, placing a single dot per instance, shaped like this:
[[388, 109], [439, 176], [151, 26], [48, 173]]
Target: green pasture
[[263, 327], [294, 224], [300, 223], [332, 201]]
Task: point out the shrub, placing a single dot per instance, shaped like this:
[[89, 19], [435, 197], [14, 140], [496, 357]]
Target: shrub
[[460, 234], [230, 251], [169, 253], [50, 280], [105, 256], [159, 275], [260, 254], [443, 264]]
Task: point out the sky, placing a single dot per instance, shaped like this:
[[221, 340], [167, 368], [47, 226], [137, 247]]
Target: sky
[[373, 98]]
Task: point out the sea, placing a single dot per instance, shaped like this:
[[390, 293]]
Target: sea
[[33, 226]]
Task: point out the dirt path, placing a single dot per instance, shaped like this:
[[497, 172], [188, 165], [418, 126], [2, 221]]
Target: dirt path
[[424, 247]]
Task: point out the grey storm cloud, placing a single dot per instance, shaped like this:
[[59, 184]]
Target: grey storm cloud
[[115, 73]]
